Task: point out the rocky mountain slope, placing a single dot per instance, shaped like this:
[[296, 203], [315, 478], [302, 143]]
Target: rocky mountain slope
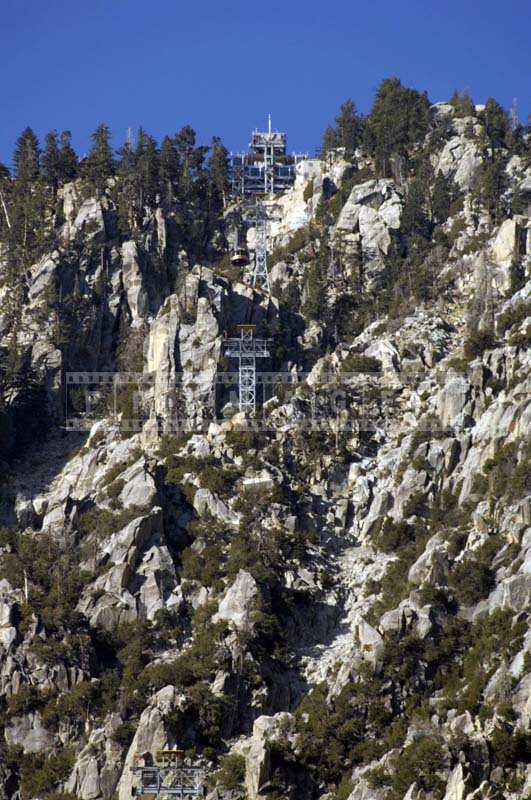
[[331, 601]]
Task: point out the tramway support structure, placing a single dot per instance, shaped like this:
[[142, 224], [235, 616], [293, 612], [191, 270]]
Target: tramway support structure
[[247, 349], [167, 777], [259, 273]]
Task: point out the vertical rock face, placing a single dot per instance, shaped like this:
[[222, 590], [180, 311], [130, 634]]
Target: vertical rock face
[[238, 607], [332, 601], [267, 732], [185, 343], [150, 737], [133, 280]]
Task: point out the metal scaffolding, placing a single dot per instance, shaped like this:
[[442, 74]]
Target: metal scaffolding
[[168, 777], [247, 349], [267, 167], [258, 275], [260, 278]]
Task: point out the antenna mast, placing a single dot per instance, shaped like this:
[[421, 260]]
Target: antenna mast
[[514, 114]]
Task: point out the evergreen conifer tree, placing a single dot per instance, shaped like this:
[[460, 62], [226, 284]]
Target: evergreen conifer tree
[[184, 145], [399, 119], [128, 192], [27, 207], [315, 303], [491, 185], [463, 103], [414, 217], [497, 126], [218, 169], [67, 158], [99, 164], [147, 167], [348, 128], [26, 158], [444, 192], [5, 190], [168, 168], [50, 160], [329, 141]]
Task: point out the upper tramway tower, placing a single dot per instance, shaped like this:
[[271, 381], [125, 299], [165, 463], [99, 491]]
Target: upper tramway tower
[[266, 168]]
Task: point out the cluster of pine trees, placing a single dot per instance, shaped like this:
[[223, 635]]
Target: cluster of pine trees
[[401, 134], [176, 172], [400, 119], [188, 181]]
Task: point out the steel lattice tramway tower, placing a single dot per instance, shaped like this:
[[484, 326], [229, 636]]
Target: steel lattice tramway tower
[[169, 778], [260, 274], [247, 349], [266, 168]]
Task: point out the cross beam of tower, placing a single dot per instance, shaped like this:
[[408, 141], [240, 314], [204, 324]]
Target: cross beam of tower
[[247, 349]]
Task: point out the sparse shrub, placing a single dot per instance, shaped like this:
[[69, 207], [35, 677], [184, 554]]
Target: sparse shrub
[[471, 580], [421, 760], [124, 734], [28, 698], [477, 342], [231, 771], [415, 505], [40, 774], [308, 191], [394, 535], [74, 705], [104, 523], [510, 747], [357, 362], [509, 471]]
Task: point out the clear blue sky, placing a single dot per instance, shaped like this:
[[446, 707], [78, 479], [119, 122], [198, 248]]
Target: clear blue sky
[[221, 66]]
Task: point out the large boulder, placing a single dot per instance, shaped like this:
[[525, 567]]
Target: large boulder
[[455, 786], [29, 733], [432, 565], [371, 643], [240, 603], [373, 209], [266, 732], [151, 735], [460, 159]]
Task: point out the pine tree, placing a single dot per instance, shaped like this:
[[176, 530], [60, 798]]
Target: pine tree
[[147, 165], [399, 119], [463, 103], [444, 192], [184, 145], [5, 190], [68, 164], [128, 192], [329, 141], [315, 302], [218, 169], [348, 128], [169, 168], [491, 185], [414, 217], [497, 126], [99, 164], [26, 232], [50, 160], [26, 158]]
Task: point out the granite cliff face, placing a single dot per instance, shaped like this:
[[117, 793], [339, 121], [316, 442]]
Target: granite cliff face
[[332, 603]]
